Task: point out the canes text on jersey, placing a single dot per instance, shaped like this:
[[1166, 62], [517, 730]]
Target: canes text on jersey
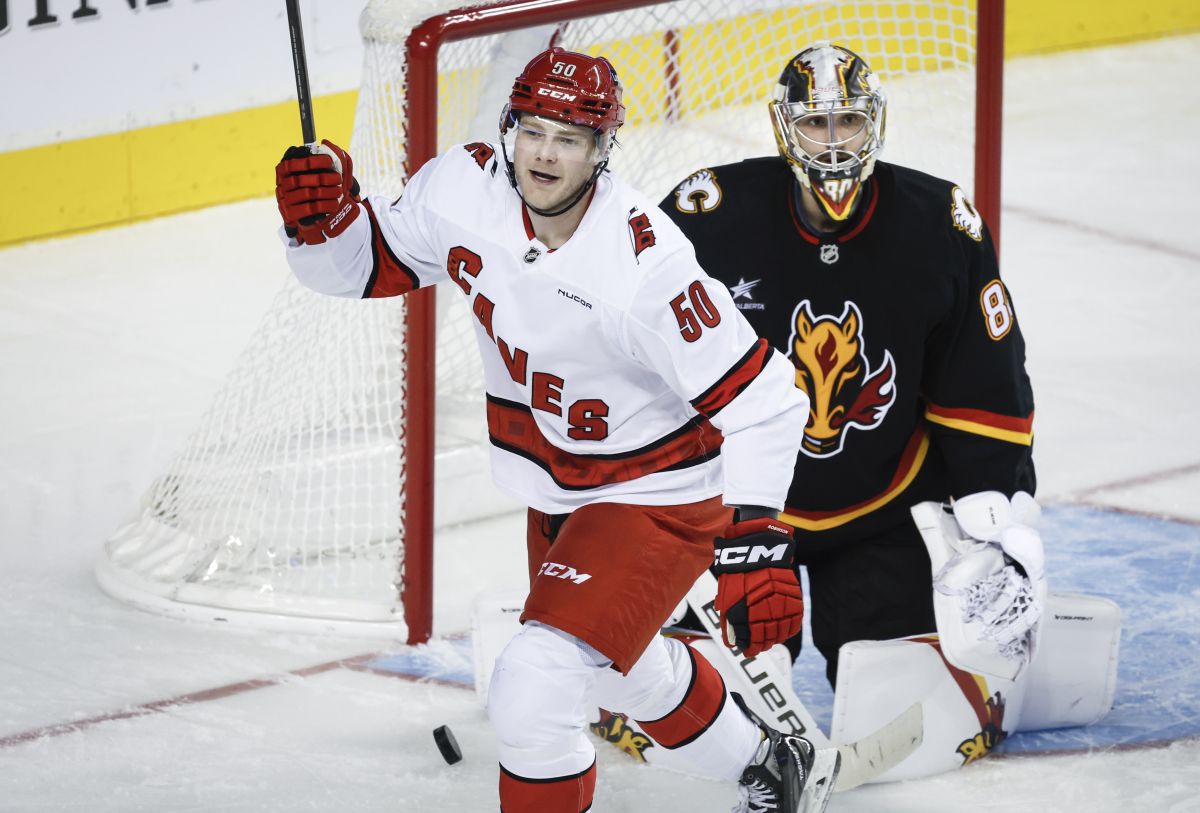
[[586, 416]]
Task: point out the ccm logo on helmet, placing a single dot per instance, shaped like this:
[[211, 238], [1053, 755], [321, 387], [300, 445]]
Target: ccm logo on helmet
[[749, 554], [557, 94], [558, 571]]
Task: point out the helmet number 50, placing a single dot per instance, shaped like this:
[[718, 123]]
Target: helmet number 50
[[997, 312], [566, 69]]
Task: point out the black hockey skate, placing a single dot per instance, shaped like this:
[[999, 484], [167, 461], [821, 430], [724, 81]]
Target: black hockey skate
[[787, 774]]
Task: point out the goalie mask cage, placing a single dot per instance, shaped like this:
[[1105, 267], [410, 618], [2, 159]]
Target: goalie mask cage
[[305, 498]]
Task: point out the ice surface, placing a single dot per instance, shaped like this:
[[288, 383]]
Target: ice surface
[[115, 341]]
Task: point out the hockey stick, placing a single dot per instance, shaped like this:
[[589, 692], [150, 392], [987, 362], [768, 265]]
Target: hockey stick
[[308, 127], [771, 691]]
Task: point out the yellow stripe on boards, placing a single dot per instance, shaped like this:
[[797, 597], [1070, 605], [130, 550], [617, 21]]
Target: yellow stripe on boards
[[113, 179], [1036, 26]]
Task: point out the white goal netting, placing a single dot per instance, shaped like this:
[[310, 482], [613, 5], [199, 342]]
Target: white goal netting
[[287, 504]]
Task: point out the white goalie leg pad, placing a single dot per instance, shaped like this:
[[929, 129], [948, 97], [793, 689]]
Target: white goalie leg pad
[[987, 610], [966, 715], [1074, 679], [539, 702]]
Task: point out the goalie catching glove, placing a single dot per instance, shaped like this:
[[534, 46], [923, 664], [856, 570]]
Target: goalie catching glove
[[758, 596], [316, 192], [989, 581]]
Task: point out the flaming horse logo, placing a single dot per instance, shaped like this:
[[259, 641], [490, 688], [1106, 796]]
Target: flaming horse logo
[[832, 367]]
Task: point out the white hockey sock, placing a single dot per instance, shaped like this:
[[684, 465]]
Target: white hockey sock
[[679, 699]]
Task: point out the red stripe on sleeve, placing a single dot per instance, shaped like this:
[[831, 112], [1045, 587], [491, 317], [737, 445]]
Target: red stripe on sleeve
[[736, 379], [981, 416], [389, 276]]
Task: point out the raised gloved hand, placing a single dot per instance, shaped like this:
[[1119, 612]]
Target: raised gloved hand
[[316, 192], [989, 579], [758, 596]]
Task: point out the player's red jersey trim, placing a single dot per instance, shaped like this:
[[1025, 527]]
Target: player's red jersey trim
[[981, 422], [389, 276], [809, 237], [736, 379], [528, 224], [512, 427], [695, 714], [911, 461]]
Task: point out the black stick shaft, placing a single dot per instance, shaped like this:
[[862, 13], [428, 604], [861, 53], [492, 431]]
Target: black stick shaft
[[307, 126]]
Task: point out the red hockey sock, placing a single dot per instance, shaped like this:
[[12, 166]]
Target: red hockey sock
[[696, 712], [562, 794]]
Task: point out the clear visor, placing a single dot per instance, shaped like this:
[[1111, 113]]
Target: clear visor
[[830, 135], [528, 137]]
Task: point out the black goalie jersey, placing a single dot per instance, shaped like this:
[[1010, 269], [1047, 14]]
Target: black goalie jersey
[[900, 329]]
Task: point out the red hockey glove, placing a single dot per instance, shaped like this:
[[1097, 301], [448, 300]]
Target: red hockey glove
[[758, 597], [316, 192]]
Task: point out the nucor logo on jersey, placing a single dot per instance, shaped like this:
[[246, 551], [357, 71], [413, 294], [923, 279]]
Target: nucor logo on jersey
[[557, 571], [832, 368], [557, 94], [749, 554], [575, 298]]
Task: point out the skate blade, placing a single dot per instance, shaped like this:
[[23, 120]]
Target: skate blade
[[821, 779]]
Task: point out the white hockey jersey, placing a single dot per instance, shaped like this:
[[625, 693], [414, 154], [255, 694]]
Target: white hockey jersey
[[616, 370]]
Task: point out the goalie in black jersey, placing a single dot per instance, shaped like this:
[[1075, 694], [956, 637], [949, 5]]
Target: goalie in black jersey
[[880, 284]]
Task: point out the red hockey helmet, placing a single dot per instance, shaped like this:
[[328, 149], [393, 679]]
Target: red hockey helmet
[[570, 87]]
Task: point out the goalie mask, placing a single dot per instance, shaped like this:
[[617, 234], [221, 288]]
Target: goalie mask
[[564, 92], [828, 114]]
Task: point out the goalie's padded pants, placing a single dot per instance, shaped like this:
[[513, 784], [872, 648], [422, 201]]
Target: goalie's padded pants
[[611, 573], [871, 589], [547, 686]]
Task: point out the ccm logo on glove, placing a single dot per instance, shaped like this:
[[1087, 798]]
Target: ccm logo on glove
[[756, 555], [758, 596]]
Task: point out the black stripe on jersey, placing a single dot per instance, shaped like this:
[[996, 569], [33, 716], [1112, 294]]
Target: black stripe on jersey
[[393, 263]]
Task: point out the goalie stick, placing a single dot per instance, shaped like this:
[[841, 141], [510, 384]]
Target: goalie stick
[[862, 760]]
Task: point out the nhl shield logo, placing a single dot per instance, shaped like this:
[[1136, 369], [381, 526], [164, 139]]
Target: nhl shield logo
[[532, 255], [829, 253], [832, 368]]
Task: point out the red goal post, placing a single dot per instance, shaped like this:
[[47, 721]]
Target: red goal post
[[306, 498]]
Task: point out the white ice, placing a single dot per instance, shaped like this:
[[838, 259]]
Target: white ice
[[114, 342]]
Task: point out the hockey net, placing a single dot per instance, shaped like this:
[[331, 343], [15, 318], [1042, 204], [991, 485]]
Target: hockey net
[[305, 497]]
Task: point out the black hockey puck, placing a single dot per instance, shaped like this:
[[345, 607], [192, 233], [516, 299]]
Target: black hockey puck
[[446, 743]]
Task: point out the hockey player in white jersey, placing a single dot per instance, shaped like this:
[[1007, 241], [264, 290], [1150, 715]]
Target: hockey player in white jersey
[[629, 405]]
